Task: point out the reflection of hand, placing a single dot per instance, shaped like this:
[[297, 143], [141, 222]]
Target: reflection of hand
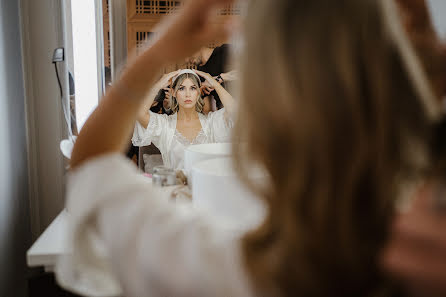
[[230, 76], [166, 104], [417, 249], [167, 92], [184, 34], [206, 88], [209, 79], [166, 79]]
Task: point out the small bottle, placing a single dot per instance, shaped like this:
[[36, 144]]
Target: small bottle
[[163, 176]]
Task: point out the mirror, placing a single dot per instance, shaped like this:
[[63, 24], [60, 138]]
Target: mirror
[[126, 25], [202, 120], [188, 113]]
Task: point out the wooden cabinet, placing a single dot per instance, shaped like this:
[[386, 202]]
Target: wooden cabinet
[[106, 29], [142, 18]]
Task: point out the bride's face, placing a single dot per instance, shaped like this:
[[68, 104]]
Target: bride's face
[[187, 94]]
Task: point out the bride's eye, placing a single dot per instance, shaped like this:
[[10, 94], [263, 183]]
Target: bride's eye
[[181, 89]]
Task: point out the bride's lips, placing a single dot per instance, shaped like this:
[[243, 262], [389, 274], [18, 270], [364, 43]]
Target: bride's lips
[[187, 101]]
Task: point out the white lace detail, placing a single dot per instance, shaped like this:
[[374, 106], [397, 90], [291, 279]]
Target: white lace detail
[[162, 132], [199, 139]]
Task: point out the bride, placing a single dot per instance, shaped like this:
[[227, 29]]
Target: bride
[[187, 125]]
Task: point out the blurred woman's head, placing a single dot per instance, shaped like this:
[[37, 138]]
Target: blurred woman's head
[[186, 93], [355, 114]]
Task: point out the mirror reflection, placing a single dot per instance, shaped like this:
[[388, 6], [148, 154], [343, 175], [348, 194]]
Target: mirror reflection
[[192, 101]]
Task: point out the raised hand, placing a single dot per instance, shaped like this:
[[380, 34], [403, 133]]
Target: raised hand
[[210, 82], [206, 88], [184, 34], [416, 253], [166, 79]]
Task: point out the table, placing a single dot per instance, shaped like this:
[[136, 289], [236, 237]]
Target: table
[[50, 245]]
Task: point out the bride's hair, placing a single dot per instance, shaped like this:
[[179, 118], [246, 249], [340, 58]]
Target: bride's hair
[[174, 106], [355, 128]]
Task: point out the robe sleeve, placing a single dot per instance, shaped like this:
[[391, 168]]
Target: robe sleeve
[[157, 126], [220, 126], [126, 238]]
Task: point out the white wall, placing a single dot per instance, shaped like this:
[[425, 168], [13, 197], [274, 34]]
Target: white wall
[[42, 33], [15, 235]]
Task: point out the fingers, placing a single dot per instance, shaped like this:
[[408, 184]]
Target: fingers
[[417, 249], [167, 78], [415, 262], [167, 92], [173, 73], [423, 220], [206, 90], [201, 73]]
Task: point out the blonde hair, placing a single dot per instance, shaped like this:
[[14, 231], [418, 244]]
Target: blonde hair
[[338, 153], [176, 85]]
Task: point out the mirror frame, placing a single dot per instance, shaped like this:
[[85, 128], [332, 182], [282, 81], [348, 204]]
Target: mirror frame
[[118, 36]]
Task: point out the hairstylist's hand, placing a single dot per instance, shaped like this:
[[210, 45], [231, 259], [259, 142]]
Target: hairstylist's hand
[[163, 83], [416, 253], [230, 76], [184, 34], [168, 92], [206, 88]]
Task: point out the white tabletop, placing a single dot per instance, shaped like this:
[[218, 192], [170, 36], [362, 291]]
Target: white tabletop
[[50, 244]]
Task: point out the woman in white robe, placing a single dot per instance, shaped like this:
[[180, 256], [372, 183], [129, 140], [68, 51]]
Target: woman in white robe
[[340, 157], [187, 125]]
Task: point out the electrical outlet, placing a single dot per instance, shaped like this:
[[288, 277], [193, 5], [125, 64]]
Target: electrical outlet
[[58, 55]]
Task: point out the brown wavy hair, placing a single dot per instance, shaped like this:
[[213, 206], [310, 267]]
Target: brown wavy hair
[[357, 115], [174, 106]]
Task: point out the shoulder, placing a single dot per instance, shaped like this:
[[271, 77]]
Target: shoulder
[[215, 114]]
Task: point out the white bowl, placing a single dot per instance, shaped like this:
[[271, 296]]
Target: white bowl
[[218, 191], [201, 152]]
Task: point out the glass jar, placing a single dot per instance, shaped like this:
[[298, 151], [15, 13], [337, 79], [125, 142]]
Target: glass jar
[[164, 176]]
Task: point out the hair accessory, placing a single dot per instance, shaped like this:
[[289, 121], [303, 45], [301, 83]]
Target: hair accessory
[[186, 71]]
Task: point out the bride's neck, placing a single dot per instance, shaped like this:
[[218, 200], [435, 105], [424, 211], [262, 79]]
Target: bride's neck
[[187, 114]]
